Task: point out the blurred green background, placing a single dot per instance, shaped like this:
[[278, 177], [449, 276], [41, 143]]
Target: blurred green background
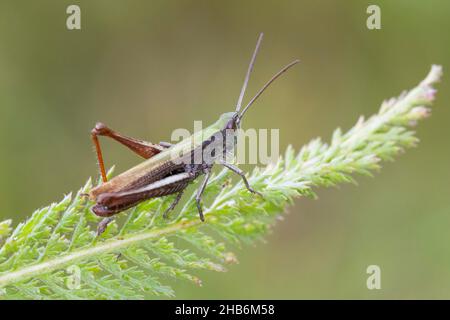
[[147, 67]]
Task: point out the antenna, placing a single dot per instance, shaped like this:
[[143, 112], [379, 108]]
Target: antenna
[[279, 73], [249, 71]]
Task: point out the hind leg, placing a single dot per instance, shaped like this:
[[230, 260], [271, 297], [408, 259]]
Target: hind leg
[[143, 148]]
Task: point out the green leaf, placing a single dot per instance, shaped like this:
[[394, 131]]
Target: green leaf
[[55, 254], [5, 229]]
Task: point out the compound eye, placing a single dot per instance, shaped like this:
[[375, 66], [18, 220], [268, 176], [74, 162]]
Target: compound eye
[[230, 125]]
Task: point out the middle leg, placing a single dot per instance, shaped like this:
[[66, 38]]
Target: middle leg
[[242, 174], [198, 197]]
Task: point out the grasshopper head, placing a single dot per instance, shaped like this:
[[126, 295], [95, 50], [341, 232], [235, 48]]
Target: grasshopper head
[[234, 123], [229, 120]]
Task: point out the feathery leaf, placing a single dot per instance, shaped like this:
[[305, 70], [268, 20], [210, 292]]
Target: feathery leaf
[[56, 254]]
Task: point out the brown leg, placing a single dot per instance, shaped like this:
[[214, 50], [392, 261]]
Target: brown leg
[[143, 148], [103, 225], [98, 150]]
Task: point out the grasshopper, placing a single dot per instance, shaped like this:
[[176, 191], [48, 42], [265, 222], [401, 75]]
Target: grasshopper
[[169, 168]]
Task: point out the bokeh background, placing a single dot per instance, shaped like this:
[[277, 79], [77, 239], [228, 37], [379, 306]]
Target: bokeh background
[[147, 67]]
